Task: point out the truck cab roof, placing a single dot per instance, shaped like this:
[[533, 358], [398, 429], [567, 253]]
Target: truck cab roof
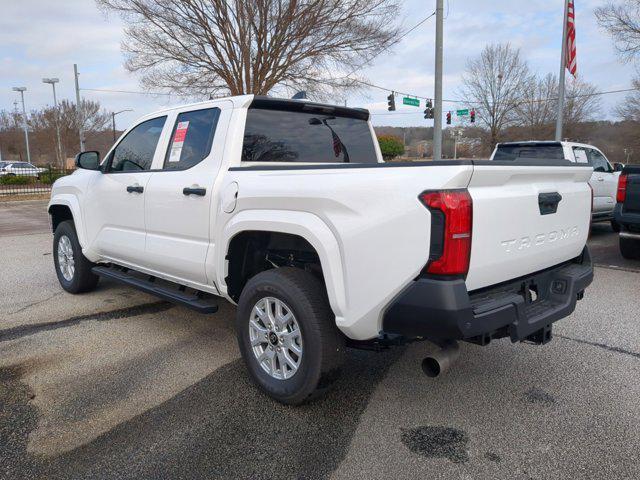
[[272, 103]]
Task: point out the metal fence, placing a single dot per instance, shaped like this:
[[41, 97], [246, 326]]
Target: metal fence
[[22, 178]]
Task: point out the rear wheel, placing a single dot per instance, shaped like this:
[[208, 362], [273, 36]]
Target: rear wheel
[[72, 267], [287, 335], [630, 248]]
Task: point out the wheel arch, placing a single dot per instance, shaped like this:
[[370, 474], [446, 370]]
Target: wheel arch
[[307, 227], [66, 207]]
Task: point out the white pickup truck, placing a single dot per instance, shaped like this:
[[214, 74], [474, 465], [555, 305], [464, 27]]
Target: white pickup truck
[[287, 209], [603, 181]]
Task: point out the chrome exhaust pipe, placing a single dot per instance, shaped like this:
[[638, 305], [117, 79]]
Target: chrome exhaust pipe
[[440, 360]]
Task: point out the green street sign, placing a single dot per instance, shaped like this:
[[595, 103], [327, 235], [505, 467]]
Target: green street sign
[[414, 102], [462, 113]]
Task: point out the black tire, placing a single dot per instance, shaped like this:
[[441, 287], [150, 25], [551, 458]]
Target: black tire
[[82, 280], [323, 344], [615, 225], [630, 248]]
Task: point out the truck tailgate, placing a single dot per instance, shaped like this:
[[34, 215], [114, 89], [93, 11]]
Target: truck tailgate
[[632, 200], [515, 228]]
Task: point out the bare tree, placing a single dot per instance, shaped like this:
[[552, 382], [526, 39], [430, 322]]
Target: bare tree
[[629, 109], [94, 119], [536, 110], [582, 103], [622, 21], [217, 47], [495, 82]]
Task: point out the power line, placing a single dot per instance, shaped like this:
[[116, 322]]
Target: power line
[[348, 75], [478, 102], [107, 90]]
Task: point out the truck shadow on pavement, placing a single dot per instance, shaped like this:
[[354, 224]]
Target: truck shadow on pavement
[[220, 427]]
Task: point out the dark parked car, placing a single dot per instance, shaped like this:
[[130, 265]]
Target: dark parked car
[[627, 211]]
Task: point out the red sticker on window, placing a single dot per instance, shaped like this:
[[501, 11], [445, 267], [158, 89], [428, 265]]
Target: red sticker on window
[[181, 132]]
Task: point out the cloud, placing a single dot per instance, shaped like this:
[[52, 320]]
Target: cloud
[[40, 38]]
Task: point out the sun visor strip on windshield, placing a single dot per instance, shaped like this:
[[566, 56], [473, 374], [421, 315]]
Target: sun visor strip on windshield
[[267, 103]]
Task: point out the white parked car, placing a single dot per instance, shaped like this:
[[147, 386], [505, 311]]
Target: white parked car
[[287, 209], [24, 169], [604, 180]]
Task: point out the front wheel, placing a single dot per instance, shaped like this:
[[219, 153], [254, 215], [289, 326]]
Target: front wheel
[[630, 248], [287, 335], [72, 267]]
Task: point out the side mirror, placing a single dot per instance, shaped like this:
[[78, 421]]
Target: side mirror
[[617, 167], [88, 160]]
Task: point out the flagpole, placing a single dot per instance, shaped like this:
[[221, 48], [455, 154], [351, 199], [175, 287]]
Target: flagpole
[[563, 69]]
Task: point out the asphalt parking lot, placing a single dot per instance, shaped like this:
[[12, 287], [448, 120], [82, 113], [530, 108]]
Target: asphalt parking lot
[[116, 384]]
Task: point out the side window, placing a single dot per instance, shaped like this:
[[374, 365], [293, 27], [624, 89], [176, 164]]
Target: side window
[[135, 152], [580, 154], [191, 139], [598, 161]]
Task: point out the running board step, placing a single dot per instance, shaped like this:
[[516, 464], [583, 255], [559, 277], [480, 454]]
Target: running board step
[[202, 303]]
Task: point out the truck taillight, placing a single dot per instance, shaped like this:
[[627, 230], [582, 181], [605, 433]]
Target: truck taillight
[[622, 188], [452, 214]]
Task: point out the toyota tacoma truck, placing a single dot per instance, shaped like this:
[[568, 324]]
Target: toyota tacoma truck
[[603, 181], [627, 212], [286, 209]]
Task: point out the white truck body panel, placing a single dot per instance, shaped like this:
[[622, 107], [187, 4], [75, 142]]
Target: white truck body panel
[[381, 229]]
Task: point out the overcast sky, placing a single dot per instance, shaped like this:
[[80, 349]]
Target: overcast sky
[[41, 38]]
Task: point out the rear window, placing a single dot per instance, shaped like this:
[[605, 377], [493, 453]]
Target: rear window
[[287, 136], [515, 152]]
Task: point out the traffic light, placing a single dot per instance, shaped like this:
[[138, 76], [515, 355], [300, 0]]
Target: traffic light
[[428, 112], [448, 118], [391, 101], [473, 115]]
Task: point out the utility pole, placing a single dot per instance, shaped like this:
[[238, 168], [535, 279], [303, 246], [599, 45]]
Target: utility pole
[[437, 121], [78, 107], [113, 121], [53, 82], [455, 145], [563, 63], [24, 119]]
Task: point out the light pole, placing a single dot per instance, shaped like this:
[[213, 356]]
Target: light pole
[[53, 82], [437, 103], [24, 119], [113, 120]]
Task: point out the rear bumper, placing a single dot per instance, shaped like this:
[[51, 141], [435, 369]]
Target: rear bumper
[[626, 218], [443, 309]]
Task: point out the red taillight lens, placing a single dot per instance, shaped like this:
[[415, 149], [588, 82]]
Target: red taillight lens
[[457, 207], [622, 188]]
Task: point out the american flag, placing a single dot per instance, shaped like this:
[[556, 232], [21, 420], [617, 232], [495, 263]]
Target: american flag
[[570, 58]]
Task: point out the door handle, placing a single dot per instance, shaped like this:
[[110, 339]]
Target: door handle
[[194, 191], [600, 179], [548, 202], [135, 188]]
